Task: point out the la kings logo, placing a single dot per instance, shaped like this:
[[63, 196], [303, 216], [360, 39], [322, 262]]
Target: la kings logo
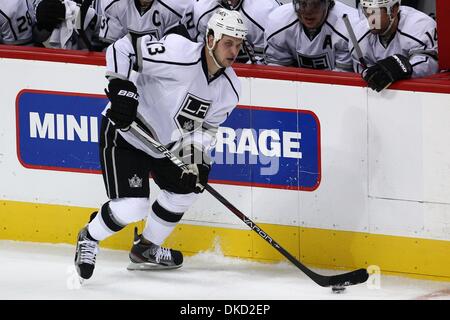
[[321, 61], [192, 113]]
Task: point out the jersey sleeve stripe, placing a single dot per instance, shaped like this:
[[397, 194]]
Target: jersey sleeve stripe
[[250, 18], [107, 29], [170, 9], [411, 37], [173, 62], [420, 62], [109, 5], [284, 28], [129, 67], [10, 24], [429, 53], [430, 37], [116, 68], [361, 39], [232, 86], [201, 17], [337, 32]]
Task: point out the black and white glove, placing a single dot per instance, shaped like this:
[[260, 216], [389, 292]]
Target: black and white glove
[[49, 14], [387, 71], [199, 164], [124, 102]]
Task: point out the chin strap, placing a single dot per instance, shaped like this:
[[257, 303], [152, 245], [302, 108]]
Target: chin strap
[[211, 53]]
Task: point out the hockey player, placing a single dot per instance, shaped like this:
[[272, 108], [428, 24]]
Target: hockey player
[[140, 17], [183, 92], [16, 22], [254, 13], [57, 25], [309, 34], [397, 42]]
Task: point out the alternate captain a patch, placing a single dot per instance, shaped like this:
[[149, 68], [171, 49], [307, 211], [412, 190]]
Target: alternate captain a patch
[[192, 112]]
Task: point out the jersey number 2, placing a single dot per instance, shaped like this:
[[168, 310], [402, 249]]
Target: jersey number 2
[[22, 21]]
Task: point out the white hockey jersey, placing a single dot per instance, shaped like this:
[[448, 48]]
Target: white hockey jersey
[[254, 13], [416, 38], [121, 17], [17, 18], [287, 44], [177, 98]]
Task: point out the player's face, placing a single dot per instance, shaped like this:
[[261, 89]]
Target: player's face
[[227, 50], [311, 13], [232, 3], [378, 19], [145, 3]]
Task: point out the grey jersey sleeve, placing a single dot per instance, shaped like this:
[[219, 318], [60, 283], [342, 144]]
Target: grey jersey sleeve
[[423, 57], [120, 58], [278, 48], [112, 27], [150, 56]]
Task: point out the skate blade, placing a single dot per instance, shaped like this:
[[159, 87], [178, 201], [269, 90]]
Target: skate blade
[[145, 266]]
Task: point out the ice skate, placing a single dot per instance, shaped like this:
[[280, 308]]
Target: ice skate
[[85, 255], [149, 256]]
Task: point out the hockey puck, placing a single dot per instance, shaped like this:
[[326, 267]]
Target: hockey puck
[[337, 289]]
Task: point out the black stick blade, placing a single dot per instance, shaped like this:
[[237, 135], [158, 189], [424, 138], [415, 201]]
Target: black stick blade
[[349, 279]]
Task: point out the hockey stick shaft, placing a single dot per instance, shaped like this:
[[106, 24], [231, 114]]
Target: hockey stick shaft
[[263, 234], [346, 279], [354, 41], [83, 11], [249, 50]]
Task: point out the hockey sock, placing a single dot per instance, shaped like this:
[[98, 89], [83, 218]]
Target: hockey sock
[[104, 224], [160, 224]]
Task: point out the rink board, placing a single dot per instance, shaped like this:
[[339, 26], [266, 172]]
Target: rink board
[[360, 178]]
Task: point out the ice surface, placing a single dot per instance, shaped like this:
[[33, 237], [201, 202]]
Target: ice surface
[[45, 271]]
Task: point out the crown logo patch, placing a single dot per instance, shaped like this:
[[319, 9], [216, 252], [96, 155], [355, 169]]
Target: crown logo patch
[[135, 182]]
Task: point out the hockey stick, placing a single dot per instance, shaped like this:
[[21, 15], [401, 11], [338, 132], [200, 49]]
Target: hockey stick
[[249, 50], [85, 5], [341, 280], [354, 41], [83, 11]]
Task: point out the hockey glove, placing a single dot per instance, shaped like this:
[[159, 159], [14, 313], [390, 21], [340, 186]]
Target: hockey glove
[[199, 163], [49, 14], [387, 71], [124, 102]]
